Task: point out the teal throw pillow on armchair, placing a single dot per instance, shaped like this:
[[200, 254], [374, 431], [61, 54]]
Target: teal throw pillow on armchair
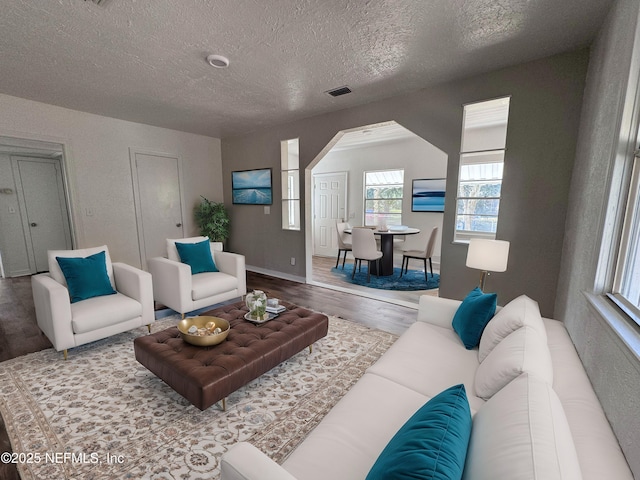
[[197, 256], [86, 276], [432, 444], [472, 316]]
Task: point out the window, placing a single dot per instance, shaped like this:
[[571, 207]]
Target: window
[[626, 288], [383, 192], [484, 136], [290, 165]]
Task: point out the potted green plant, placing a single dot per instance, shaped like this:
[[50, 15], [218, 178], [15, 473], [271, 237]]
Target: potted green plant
[[212, 219]]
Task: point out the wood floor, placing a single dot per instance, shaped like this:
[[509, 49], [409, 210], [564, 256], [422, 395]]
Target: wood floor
[[19, 332], [373, 313]]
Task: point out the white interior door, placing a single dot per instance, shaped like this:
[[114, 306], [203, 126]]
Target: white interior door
[[43, 208], [329, 207], [157, 182]]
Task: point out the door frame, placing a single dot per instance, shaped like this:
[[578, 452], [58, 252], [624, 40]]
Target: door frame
[[314, 177], [133, 151], [21, 139], [22, 203]]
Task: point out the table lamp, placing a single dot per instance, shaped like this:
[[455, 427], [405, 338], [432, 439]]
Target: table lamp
[[487, 255]]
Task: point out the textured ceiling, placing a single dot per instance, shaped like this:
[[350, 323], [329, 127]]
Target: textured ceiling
[[144, 60]]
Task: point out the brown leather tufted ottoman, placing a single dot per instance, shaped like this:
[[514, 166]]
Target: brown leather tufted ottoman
[[206, 375]]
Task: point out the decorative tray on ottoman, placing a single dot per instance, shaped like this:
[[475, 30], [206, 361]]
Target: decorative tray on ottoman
[[267, 316], [208, 330]]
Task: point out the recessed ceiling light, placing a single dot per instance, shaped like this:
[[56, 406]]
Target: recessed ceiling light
[[218, 61]]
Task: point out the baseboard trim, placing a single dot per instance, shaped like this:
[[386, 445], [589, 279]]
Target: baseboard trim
[[274, 273], [372, 295]]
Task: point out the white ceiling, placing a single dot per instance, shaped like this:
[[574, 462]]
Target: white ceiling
[[372, 135], [144, 60]]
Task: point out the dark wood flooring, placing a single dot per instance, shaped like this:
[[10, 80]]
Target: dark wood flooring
[[20, 335], [373, 313]]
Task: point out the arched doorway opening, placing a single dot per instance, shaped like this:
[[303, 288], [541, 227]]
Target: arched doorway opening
[[386, 146]]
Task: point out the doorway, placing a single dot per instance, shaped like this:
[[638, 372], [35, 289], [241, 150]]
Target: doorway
[[45, 219], [34, 207], [157, 187], [372, 147], [330, 206]]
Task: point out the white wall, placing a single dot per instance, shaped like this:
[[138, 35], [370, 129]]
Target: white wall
[[99, 172], [419, 159]]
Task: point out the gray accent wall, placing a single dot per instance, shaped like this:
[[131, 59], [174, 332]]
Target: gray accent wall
[[604, 139], [546, 99]]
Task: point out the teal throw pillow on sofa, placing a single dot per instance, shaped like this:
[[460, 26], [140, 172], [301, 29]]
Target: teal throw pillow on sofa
[[472, 316], [86, 276], [432, 444], [197, 256]]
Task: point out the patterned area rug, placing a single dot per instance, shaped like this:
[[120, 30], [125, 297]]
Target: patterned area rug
[[103, 415]]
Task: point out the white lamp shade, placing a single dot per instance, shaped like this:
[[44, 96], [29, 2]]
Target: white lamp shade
[[489, 255]]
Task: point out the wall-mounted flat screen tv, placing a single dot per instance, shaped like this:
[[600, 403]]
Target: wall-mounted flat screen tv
[[252, 187], [428, 195]]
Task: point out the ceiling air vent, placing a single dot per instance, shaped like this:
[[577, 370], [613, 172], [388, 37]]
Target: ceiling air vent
[[336, 92]]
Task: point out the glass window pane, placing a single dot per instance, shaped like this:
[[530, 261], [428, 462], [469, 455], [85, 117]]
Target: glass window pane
[[375, 219], [630, 254], [384, 192], [480, 189], [291, 214], [478, 206], [484, 125], [384, 177], [482, 171], [289, 154], [383, 206], [291, 185], [474, 158], [475, 223]]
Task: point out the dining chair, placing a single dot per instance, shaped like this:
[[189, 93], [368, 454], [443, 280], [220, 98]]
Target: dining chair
[[364, 247], [344, 242], [423, 255]]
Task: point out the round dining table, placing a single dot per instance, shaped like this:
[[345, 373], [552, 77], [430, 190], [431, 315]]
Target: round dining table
[[386, 247]]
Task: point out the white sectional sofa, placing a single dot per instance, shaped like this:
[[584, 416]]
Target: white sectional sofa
[[537, 416]]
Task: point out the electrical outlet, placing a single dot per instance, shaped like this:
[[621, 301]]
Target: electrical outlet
[[293, 260]]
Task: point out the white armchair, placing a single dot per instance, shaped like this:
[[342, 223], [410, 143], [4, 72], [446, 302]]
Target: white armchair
[[175, 286], [69, 325]]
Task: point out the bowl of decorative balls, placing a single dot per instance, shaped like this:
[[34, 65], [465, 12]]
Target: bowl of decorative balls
[[204, 331]]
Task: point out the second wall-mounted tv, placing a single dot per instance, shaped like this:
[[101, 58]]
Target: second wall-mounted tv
[[427, 195]]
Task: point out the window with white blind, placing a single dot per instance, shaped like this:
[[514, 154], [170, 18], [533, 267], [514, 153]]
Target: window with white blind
[[383, 192], [484, 136]]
